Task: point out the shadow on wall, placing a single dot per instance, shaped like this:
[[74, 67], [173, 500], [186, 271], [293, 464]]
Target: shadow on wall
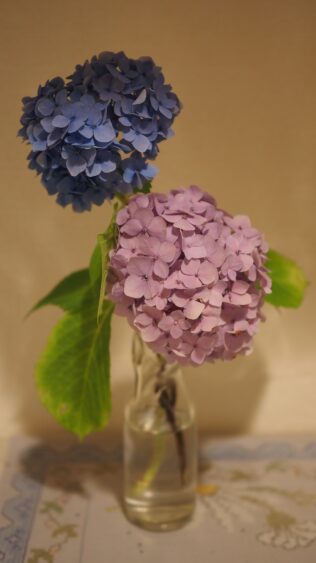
[[226, 395]]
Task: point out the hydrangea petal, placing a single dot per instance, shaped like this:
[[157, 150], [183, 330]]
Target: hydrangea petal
[[140, 266], [198, 356], [190, 267], [247, 262], [140, 98], [158, 227], [180, 299], [209, 323], [208, 273], [190, 282], [141, 143], [152, 288], [76, 164], [134, 286], [238, 299], [167, 251], [215, 298], [184, 225], [60, 121], [176, 331], [104, 133], [150, 333], [193, 310], [132, 227], [240, 287], [161, 269], [45, 106]]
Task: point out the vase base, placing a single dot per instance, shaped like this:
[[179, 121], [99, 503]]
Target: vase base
[[159, 518]]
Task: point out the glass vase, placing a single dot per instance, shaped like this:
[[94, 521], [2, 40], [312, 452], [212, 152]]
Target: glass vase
[[160, 445]]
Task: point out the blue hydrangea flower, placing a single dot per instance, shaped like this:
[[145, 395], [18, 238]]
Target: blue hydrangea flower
[[93, 134]]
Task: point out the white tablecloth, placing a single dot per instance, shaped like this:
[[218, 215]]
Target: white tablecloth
[[256, 503]]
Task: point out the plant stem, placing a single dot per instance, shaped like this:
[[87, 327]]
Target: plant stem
[[167, 399], [167, 403], [151, 472]]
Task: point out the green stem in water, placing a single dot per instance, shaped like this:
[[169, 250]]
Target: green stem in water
[[154, 466], [167, 400]]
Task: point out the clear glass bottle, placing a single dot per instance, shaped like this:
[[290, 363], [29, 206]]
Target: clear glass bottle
[[160, 445]]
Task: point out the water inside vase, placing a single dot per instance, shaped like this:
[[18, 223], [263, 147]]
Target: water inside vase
[[160, 470]]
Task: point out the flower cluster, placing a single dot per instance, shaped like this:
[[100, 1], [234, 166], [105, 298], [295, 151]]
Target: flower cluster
[[188, 276], [93, 135]]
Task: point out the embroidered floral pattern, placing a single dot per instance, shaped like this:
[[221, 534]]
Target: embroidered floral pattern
[[238, 498]]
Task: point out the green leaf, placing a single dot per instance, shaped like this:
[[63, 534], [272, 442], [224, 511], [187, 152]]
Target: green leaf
[[288, 281], [95, 268], [67, 294], [99, 264], [73, 373], [104, 252]]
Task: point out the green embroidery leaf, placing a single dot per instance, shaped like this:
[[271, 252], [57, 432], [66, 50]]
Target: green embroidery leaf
[[288, 281], [73, 373], [40, 555], [68, 531], [51, 506], [68, 293]]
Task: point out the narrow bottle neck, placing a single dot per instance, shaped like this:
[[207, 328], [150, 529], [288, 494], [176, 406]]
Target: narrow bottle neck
[[151, 370], [160, 393]]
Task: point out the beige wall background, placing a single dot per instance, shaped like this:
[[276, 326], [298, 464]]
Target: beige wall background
[[245, 72]]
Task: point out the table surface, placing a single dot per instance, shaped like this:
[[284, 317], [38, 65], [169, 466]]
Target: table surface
[[256, 503]]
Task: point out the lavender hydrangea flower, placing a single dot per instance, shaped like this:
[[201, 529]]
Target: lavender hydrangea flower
[[93, 134], [188, 276]]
